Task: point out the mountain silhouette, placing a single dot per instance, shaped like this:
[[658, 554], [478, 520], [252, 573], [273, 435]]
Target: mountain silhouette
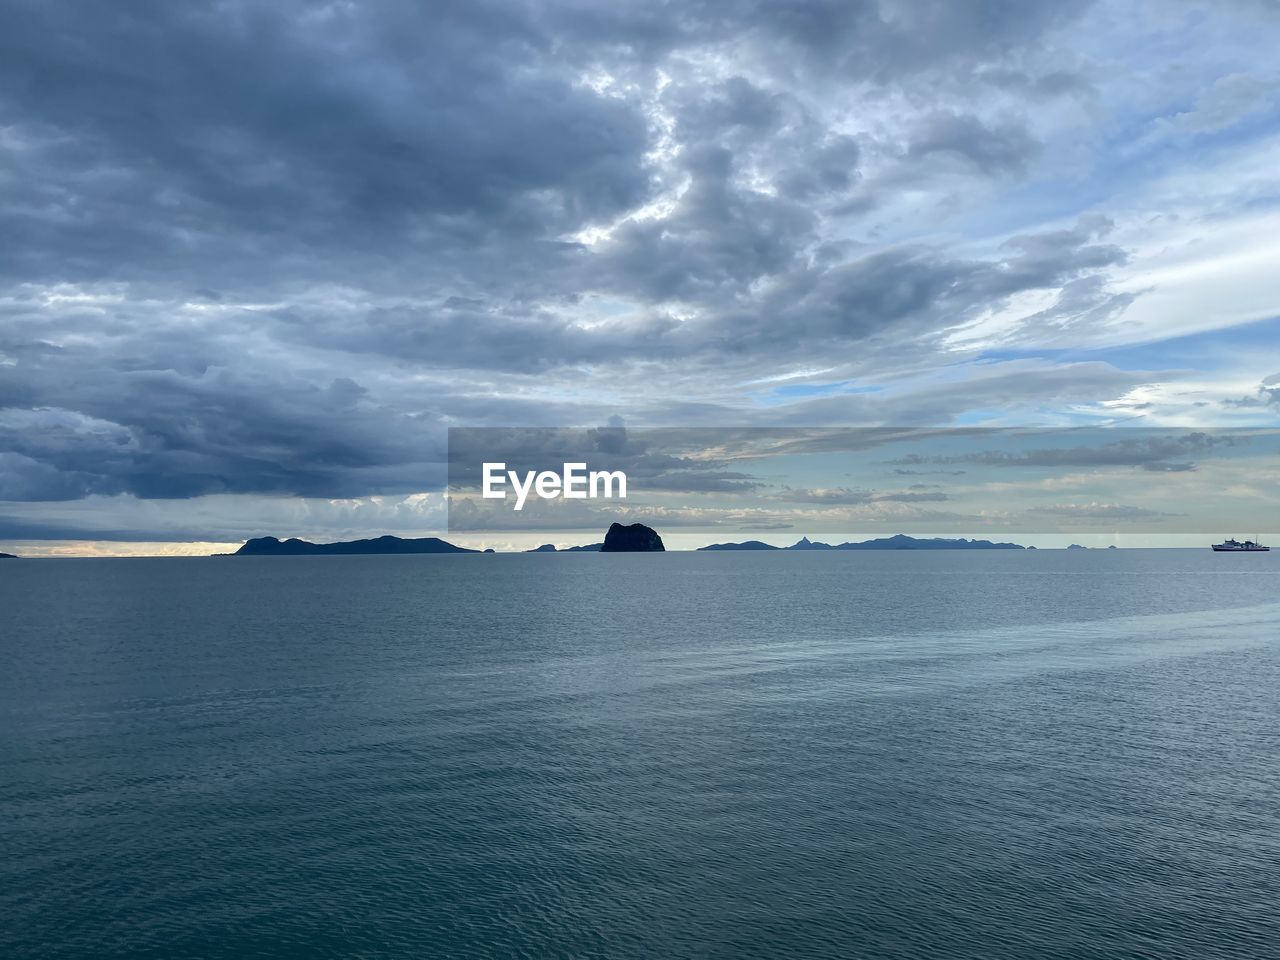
[[804, 543], [745, 545], [898, 542], [272, 547], [903, 542]]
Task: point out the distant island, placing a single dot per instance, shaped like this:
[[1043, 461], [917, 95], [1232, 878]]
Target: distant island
[[397, 546], [748, 545], [381, 546], [898, 542], [635, 538], [620, 538], [8, 556]]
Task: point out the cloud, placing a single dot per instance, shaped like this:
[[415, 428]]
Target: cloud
[[994, 149], [261, 135], [661, 460], [1268, 394], [220, 517], [845, 495], [1158, 454], [1101, 511], [1228, 101]]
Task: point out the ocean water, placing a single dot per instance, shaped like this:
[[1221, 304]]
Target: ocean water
[[959, 755]]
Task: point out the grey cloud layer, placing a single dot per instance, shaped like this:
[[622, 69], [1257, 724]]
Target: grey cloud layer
[[1158, 454], [277, 248]]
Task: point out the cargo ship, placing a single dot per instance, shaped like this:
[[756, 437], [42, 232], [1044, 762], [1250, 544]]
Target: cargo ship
[[1239, 546]]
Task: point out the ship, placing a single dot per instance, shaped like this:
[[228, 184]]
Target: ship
[[1239, 546]]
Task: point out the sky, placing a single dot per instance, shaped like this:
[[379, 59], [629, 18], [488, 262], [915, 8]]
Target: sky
[[1055, 486], [259, 257]]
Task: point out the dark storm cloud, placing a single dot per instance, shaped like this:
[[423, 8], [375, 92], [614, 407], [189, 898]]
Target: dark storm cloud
[[277, 248], [308, 440], [152, 136], [716, 246]]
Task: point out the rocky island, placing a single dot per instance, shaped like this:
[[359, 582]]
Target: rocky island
[[635, 538]]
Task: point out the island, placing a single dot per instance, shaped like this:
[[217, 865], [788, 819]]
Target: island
[[897, 542], [8, 556], [634, 538], [272, 547], [745, 545], [804, 543], [551, 548], [620, 538]]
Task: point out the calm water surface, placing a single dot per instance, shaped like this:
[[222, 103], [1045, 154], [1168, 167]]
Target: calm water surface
[[1049, 754]]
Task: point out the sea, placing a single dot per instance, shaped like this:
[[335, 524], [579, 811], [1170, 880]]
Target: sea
[[942, 754]]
